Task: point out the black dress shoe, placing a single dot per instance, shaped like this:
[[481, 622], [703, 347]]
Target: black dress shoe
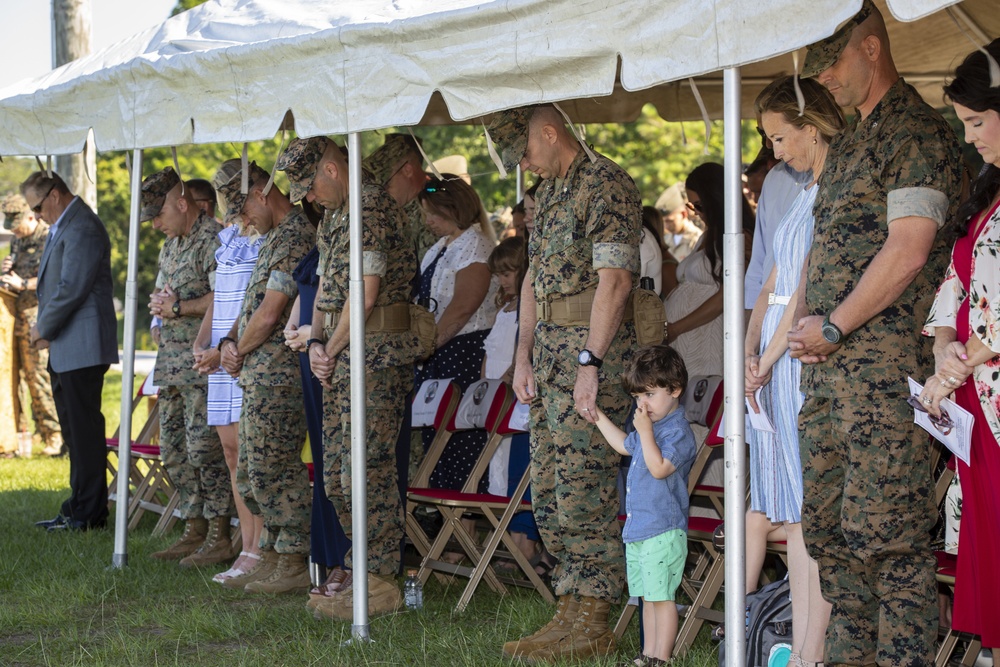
[[74, 525], [58, 521]]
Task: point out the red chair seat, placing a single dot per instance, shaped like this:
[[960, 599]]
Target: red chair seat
[[145, 450], [947, 564], [703, 524]]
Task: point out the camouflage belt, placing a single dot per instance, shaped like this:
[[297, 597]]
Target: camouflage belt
[[392, 318], [573, 311]]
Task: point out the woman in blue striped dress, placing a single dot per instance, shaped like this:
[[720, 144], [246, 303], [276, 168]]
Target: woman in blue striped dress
[[235, 258], [800, 133]]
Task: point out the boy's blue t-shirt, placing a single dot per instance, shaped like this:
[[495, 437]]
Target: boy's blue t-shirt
[[654, 506]]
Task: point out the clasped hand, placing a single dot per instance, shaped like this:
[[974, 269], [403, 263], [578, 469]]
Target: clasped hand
[[806, 342], [321, 364], [951, 370]]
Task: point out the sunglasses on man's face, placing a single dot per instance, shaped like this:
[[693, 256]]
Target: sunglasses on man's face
[[37, 208]]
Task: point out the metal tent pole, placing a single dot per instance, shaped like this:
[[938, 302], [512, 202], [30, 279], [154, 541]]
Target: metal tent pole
[[735, 447], [120, 557], [359, 453]]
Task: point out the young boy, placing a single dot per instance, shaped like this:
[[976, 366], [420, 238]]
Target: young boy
[[662, 448]]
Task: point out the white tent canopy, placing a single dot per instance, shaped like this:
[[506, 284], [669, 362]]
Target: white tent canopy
[[230, 70]]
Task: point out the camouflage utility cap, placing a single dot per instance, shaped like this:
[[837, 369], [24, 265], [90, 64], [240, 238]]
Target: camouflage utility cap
[[384, 161], [230, 190], [824, 53], [299, 162], [154, 192], [672, 199], [13, 207], [509, 131]]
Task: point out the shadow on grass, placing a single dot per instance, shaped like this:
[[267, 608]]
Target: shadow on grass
[[62, 605]]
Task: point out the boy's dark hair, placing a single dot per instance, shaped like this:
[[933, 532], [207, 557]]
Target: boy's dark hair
[[655, 366]]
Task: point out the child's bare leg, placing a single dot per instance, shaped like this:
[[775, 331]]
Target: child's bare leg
[[659, 624]]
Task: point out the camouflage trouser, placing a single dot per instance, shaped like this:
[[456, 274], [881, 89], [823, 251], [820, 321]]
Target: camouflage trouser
[[270, 474], [192, 453], [574, 491], [386, 394], [866, 517], [34, 364]]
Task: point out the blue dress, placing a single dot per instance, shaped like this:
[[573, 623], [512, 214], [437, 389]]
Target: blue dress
[[328, 542], [775, 464]]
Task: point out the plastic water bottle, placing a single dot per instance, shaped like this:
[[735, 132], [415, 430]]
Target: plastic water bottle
[[24, 444], [413, 591]]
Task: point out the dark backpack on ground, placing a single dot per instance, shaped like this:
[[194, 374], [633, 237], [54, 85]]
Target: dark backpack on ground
[[768, 627]]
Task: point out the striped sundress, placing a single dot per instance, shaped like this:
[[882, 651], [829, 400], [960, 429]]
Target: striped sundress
[[775, 464], [236, 259]]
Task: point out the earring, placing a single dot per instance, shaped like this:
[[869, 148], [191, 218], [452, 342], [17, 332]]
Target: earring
[[814, 140]]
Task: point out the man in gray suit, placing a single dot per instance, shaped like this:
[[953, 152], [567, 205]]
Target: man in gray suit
[[76, 322]]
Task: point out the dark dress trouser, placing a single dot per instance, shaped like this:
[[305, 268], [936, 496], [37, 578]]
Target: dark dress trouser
[[77, 396]]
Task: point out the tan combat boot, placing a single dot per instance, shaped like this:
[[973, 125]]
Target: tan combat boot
[[291, 575], [189, 541], [383, 598], [566, 612], [54, 446], [261, 569], [217, 547], [588, 637]]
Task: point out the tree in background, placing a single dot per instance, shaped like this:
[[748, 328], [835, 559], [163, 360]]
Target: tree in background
[[71, 35]]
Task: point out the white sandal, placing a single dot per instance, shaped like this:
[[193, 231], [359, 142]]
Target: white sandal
[[237, 568]]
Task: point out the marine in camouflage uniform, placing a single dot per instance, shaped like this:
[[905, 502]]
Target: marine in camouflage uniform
[[423, 237], [587, 232], [390, 349], [190, 450], [869, 504], [25, 256], [397, 166], [270, 474]]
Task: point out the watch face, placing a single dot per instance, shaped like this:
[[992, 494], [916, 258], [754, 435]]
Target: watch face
[[831, 334], [585, 357]]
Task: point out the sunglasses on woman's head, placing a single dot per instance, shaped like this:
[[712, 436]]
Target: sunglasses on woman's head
[[435, 184]]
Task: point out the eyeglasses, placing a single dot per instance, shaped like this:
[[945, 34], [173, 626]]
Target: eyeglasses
[[695, 207], [942, 423], [435, 184], [38, 207], [398, 169]]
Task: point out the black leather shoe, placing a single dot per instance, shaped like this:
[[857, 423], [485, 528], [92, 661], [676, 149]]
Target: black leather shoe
[[70, 525], [58, 521]]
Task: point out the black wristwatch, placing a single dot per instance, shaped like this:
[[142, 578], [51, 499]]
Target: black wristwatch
[[313, 341], [831, 332], [588, 358], [176, 308], [223, 341]]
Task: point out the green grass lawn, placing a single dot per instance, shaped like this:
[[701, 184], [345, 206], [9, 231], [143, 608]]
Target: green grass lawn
[[62, 605]]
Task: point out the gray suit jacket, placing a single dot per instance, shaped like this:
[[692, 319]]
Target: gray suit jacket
[[76, 313]]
